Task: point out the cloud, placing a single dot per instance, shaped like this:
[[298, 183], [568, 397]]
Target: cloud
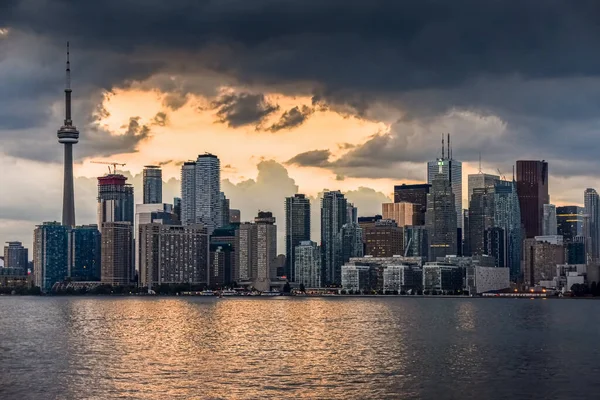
[[160, 119], [239, 109], [292, 118], [313, 158]]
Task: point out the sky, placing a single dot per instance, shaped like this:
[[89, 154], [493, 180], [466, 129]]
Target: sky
[[293, 96]]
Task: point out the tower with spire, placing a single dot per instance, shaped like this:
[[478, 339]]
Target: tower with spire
[[68, 135]]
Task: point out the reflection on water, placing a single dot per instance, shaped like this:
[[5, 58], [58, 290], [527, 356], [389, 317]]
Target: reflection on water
[[327, 348]]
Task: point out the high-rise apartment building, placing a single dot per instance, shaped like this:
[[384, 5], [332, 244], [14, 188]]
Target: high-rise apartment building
[[50, 254], [245, 253], [148, 213], [308, 264], [84, 258], [177, 208], [451, 170], [532, 189], [352, 214], [171, 254], [402, 213], [225, 210], [415, 194], [16, 256], [592, 228], [441, 218], [352, 241], [549, 220], [115, 200], [152, 184], [222, 255], [569, 222], [540, 259], [385, 239], [116, 261], [266, 250], [297, 229], [201, 192], [334, 215]]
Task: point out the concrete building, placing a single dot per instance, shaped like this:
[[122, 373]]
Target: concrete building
[[532, 189], [50, 254], [415, 194], [222, 255], [201, 192], [245, 252], [152, 184], [297, 230], [402, 213], [171, 254], [402, 278], [116, 264], [16, 256], [308, 264], [334, 214], [266, 250], [115, 200], [68, 135], [440, 218], [443, 277], [487, 279], [385, 239], [356, 277], [549, 220], [84, 258], [147, 213], [540, 258]]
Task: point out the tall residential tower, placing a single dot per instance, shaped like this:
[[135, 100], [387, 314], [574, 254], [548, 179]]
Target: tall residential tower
[[297, 230]]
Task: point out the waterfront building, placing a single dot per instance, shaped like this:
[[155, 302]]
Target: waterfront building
[[14, 278], [308, 264], [201, 192], [297, 230], [84, 257], [402, 278], [147, 213], [401, 213], [171, 254], [16, 256], [245, 252], [494, 245], [116, 261], [540, 257], [152, 184], [441, 218], [549, 220], [486, 279], [50, 254], [356, 278], [266, 250], [385, 239], [532, 189], [222, 255], [442, 277], [575, 251], [334, 214]]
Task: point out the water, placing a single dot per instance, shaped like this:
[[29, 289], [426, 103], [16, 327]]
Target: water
[[324, 348]]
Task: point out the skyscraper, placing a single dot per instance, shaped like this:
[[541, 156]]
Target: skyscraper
[[385, 239], [266, 250], [416, 194], [84, 253], [223, 254], [481, 218], [50, 254], [333, 216], [297, 229], [441, 218], [532, 188], [201, 192], [592, 228], [569, 222], [225, 210], [308, 264], [245, 253], [116, 223], [16, 256], [416, 242], [508, 217], [148, 213], [152, 184], [351, 237], [68, 135], [481, 181], [451, 170], [549, 220]]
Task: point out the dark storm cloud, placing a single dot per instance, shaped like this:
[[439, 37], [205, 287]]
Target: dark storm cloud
[[292, 118], [241, 109], [313, 158]]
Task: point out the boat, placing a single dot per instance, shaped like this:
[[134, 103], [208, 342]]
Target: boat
[[271, 293], [229, 292], [207, 293]]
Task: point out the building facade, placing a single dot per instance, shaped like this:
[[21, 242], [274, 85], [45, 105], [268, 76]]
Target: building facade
[[481, 181], [442, 277], [334, 215], [487, 279], [508, 218], [152, 184], [16, 256], [540, 257], [401, 213], [266, 250], [592, 227], [549, 222], [385, 239], [451, 171], [297, 230], [415, 194], [85, 253], [441, 218], [50, 254], [481, 218], [308, 264], [569, 222], [116, 264], [416, 243], [352, 239], [402, 279], [532, 189]]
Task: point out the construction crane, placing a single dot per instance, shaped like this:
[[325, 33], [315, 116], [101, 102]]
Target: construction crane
[[500, 173], [109, 163]]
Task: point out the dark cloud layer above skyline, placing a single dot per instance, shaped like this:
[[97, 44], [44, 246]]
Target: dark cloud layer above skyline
[[531, 64]]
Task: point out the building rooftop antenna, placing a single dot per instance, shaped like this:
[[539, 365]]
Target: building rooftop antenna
[[442, 146], [449, 152], [480, 163]]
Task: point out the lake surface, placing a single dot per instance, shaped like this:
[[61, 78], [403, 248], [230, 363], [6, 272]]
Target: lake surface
[[324, 348]]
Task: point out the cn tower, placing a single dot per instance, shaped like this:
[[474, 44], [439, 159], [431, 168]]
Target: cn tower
[[68, 135]]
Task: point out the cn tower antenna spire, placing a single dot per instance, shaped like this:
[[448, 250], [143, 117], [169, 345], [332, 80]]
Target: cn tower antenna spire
[[68, 120]]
